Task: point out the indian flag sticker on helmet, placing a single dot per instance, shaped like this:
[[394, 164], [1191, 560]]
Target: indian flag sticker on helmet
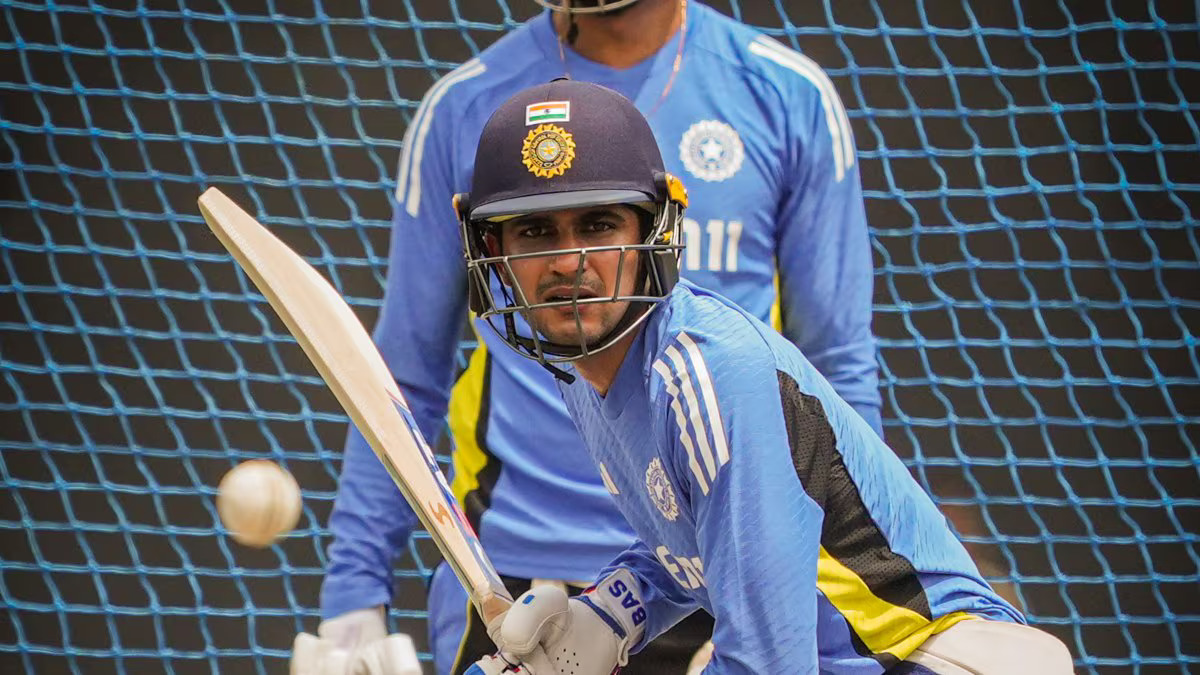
[[547, 111], [548, 151]]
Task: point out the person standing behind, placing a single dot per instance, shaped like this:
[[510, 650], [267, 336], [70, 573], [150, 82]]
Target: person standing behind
[[777, 225]]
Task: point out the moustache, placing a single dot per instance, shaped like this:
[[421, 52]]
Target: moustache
[[586, 286]]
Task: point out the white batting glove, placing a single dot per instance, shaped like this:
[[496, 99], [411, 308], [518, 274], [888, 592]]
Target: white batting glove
[[549, 634], [355, 643]]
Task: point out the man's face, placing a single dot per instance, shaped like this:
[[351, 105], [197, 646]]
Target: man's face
[[554, 278]]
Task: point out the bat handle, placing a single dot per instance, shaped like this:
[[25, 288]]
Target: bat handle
[[493, 605]]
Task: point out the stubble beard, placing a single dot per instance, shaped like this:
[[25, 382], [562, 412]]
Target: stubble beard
[[559, 327]]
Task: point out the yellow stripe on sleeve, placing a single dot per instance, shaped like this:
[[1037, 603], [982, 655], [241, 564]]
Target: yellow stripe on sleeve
[[881, 625]]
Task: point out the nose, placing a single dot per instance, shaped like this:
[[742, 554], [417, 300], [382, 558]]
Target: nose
[[567, 263]]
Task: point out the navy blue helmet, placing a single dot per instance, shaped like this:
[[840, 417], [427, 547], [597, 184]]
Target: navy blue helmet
[[564, 145]]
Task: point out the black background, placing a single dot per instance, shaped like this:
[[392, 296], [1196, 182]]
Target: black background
[[1031, 175]]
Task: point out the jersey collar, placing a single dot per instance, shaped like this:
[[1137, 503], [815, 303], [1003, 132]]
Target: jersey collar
[[629, 385]]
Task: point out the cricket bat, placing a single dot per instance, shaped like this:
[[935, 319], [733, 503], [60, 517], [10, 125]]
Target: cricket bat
[[352, 367]]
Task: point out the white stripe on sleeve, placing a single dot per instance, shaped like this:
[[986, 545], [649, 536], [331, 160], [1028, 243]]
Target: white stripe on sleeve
[[608, 481], [681, 421], [704, 380], [699, 425], [408, 183], [703, 416], [835, 114]]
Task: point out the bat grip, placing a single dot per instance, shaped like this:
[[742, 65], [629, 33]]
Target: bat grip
[[492, 606]]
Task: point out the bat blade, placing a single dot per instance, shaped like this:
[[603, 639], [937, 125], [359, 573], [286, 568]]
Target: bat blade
[[347, 359]]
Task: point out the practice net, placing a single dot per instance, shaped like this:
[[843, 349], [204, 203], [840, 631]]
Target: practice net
[[1031, 175]]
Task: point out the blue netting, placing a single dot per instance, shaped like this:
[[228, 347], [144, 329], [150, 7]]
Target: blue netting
[[1031, 176]]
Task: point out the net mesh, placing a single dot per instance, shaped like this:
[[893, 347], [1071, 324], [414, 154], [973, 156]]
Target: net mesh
[[1030, 173]]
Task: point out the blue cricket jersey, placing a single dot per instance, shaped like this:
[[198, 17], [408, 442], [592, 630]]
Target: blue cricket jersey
[[759, 137], [758, 494]]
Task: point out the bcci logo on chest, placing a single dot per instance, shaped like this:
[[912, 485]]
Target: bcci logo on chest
[[711, 150], [661, 492]]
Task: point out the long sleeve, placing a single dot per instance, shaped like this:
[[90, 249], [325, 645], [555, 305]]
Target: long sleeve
[[666, 603], [765, 499], [417, 333], [824, 254], [758, 531]]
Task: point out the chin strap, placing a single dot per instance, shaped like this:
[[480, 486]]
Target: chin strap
[[559, 373]]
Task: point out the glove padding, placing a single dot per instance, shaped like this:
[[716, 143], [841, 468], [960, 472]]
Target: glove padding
[[355, 643], [548, 634]]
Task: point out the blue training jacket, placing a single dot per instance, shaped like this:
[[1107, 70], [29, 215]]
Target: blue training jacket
[[758, 494]]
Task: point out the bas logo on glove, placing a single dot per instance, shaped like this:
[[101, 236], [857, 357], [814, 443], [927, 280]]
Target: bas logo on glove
[[628, 599]]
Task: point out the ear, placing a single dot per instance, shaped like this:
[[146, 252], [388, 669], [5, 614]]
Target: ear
[[492, 242]]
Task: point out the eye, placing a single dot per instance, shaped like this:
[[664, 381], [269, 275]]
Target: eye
[[599, 226], [532, 231]]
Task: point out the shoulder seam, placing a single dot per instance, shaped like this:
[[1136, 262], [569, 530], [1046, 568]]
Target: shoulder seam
[[836, 120], [408, 192]]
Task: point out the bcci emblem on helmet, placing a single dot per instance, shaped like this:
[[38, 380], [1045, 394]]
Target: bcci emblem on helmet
[[548, 151]]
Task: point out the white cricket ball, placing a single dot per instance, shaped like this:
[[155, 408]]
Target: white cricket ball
[[258, 500]]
